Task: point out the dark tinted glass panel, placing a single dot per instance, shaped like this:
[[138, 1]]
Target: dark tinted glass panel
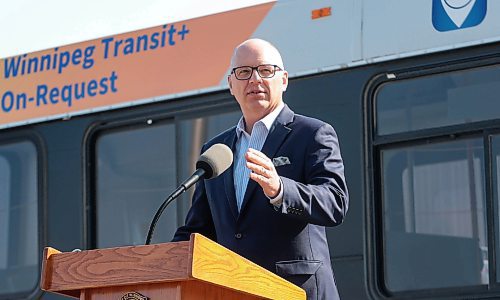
[[440, 100], [19, 250], [495, 143], [135, 173], [434, 216], [193, 133]]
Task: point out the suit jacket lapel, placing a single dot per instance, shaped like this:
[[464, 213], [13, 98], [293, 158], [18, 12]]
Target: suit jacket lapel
[[230, 141], [277, 134]]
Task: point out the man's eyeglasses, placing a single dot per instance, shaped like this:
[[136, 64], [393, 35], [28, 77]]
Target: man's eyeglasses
[[265, 71]]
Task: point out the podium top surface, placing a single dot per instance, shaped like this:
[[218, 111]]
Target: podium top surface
[[198, 259]]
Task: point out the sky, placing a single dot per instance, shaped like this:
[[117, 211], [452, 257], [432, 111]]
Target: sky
[[30, 25]]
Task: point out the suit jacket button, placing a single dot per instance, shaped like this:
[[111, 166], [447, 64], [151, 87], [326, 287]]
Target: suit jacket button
[[238, 235]]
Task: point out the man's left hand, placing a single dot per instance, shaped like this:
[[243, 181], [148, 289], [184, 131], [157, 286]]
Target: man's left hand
[[263, 172]]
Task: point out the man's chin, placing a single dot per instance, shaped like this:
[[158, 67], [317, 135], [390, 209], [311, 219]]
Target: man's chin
[[259, 104], [257, 97]]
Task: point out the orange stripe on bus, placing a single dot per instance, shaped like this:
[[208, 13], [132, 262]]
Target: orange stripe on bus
[[197, 62]]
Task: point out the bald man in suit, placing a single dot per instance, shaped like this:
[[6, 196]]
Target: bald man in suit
[[286, 183]]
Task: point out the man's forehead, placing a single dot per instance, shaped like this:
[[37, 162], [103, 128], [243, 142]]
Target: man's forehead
[[256, 53], [252, 58]]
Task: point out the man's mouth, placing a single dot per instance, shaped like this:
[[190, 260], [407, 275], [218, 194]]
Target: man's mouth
[[256, 92]]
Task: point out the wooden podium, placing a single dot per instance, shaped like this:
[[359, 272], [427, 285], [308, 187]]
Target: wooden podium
[[195, 269]]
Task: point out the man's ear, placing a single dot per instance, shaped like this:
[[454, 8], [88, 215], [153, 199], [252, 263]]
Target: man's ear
[[285, 81], [230, 84]]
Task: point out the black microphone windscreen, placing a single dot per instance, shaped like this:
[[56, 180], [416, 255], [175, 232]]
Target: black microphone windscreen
[[215, 160]]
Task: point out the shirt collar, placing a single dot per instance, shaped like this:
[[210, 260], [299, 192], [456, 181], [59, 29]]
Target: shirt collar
[[267, 120]]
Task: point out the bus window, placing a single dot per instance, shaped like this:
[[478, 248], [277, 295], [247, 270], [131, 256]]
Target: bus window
[[438, 100], [19, 240], [495, 149], [137, 167], [432, 183], [434, 215], [135, 172]]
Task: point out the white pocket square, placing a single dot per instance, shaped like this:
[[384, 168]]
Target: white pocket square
[[280, 161]]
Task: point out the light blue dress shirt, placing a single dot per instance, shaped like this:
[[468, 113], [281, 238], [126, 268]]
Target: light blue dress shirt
[[254, 140]]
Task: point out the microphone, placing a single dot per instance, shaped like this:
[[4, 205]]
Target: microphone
[[213, 162]]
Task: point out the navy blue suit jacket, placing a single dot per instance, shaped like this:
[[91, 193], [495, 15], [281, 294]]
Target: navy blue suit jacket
[[291, 241]]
